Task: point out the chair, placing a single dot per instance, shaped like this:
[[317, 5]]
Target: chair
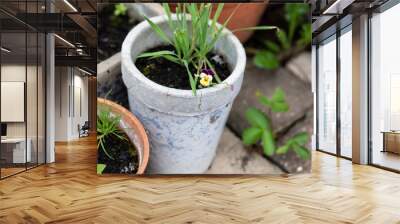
[[84, 130]]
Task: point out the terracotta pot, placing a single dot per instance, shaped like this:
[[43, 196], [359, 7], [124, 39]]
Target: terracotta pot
[[247, 15], [133, 129]]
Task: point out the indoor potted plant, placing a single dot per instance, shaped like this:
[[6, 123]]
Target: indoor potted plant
[[182, 72], [122, 142]]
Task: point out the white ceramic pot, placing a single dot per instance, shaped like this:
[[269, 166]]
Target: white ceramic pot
[[184, 130]]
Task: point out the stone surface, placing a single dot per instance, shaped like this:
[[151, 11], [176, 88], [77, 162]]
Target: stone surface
[[299, 118], [298, 96], [114, 90], [233, 158], [109, 81], [300, 66]]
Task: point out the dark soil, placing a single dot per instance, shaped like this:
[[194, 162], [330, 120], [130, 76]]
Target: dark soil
[[124, 153], [111, 31], [273, 16], [173, 75]]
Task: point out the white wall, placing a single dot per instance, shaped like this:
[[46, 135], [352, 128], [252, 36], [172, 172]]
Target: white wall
[[70, 83], [61, 104], [80, 93], [16, 73]]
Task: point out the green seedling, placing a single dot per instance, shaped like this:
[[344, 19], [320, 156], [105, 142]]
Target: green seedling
[[260, 129]]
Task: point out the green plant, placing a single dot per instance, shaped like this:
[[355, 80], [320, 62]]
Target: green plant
[[192, 45], [297, 22], [118, 14], [100, 168], [107, 125], [276, 103], [296, 143], [120, 9], [261, 130]]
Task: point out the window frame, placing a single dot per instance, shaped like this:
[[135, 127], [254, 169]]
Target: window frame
[[378, 10], [340, 28]]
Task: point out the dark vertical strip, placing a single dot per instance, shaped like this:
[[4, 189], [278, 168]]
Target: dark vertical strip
[[317, 97], [69, 100], [37, 90], [60, 86], [69, 92], [338, 91], [73, 91], [45, 96], [26, 86], [45, 89], [369, 90]]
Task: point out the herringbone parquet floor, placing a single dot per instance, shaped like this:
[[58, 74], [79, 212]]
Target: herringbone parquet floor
[[69, 191]]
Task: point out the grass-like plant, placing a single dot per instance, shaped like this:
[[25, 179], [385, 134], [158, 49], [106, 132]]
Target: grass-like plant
[[192, 45], [107, 125]]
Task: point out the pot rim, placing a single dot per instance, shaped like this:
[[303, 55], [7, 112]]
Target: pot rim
[[132, 38], [116, 108]]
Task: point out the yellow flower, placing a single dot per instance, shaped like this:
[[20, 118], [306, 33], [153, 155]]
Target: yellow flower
[[205, 80]]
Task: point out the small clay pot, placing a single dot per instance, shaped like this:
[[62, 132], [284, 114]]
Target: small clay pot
[[247, 15], [133, 129]]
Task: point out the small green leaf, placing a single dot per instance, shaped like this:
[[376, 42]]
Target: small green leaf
[[279, 107], [268, 143], [100, 168], [277, 103], [168, 13], [279, 95], [272, 46], [301, 151], [155, 54], [217, 14], [257, 118], [251, 135], [294, 11], [120, 9], [172, 58], [283, 149], [305, 35], [191, 80], [295, 14], [255, 28], [301, 138], [264, 100], [283, 39], [158, 30], [266, 60]]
